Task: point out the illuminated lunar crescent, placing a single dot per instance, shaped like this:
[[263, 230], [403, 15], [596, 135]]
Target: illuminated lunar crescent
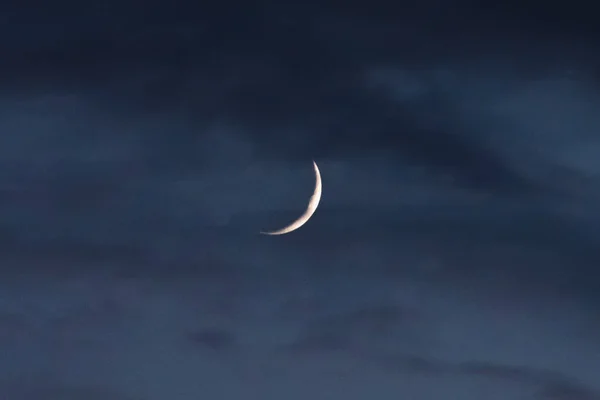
[[310, 210]]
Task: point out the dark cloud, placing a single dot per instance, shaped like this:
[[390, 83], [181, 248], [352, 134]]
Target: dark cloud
[[145, 145]]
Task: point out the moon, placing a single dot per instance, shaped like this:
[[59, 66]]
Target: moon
[[313, 203]]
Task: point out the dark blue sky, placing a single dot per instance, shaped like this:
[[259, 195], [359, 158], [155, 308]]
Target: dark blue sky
[[454, 254], [295, 64]]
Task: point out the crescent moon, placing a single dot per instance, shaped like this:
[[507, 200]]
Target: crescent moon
[[310, 210]]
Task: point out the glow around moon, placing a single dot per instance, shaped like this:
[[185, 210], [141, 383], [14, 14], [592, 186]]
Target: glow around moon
[[310, 210]]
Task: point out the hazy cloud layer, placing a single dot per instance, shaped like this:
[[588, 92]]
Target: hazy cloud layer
[[454, 253]]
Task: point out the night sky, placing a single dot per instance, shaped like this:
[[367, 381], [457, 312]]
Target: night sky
[[145, 144]]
